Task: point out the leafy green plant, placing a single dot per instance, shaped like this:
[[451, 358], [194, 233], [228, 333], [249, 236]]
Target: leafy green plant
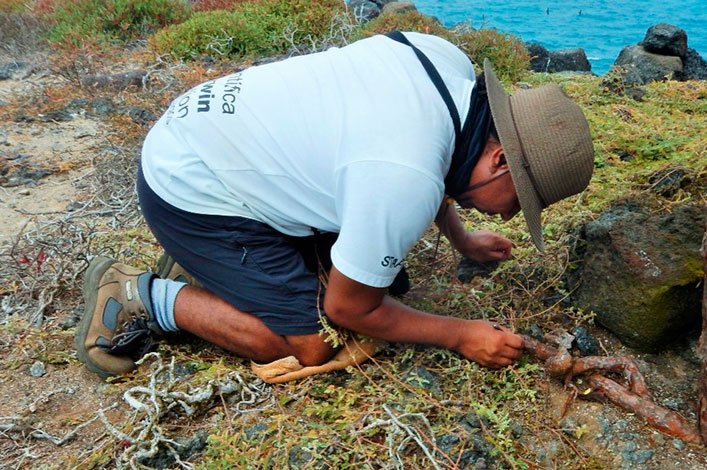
[[506, 52], [81, 22], [251, 29], [407, 21]]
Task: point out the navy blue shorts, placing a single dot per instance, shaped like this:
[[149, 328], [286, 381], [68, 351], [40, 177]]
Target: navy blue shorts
[[247, 263]]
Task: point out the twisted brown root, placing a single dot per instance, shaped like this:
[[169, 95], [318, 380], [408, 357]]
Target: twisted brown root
[[622, 364], [635, 399], [658, 417]]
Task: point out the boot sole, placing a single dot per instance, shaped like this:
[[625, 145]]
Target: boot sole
[[92, 278]]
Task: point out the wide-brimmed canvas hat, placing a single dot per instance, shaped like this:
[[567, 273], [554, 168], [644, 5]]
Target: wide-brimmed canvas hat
[[547, 144]]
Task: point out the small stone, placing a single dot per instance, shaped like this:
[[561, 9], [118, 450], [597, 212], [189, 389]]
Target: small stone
[[625, 156], [516, 429], [57, 116], [24, 192], [635, 93], [668, 180], [447, 442], [472, 421], [184, 369], [587, 345], [103, 106], [38, 369], [643, 456], [620, 424], [299, 457], [255, 433], [422, 378], [630, 447], [678, 444], [73, 205], [569, 426], [535, 332], [671, 403], [141, 116], [71, 319]]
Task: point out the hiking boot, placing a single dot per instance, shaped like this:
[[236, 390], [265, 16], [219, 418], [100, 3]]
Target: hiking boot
[[118, 326], [167, 268]]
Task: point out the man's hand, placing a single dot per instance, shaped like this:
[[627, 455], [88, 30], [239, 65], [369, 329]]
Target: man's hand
[[489, 345], [484, 245]]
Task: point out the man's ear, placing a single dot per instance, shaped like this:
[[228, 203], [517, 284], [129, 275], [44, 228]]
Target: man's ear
[[498, 159]]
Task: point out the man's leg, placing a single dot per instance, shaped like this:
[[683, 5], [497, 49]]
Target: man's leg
[[215, 320]]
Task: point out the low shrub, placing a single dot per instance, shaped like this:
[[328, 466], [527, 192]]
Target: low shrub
[[211, 5], [407, 21], [80, 22], [251, 29], [506, 52]]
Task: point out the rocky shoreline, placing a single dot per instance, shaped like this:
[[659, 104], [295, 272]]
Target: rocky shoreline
[[662, 54]]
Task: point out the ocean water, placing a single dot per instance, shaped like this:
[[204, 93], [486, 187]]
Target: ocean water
[[601, 27]]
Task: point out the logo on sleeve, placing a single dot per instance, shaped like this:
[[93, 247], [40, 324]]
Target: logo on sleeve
[[391, 262]]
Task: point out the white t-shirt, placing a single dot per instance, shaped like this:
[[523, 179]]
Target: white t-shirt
[[354, 140]]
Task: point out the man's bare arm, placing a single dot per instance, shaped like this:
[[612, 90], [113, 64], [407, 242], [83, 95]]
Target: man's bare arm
[[481, 245], [367, 310]]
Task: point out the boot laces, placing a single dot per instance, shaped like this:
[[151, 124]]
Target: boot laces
[[136, 339]]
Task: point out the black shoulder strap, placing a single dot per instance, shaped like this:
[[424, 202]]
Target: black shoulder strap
[[436, 80]]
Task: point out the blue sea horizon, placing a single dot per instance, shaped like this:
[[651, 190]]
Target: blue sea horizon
[[601, 27]]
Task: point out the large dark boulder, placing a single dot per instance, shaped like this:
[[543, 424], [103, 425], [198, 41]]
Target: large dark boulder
[[569, 60], [641, 271], [640, 66], [663, 53], [539, 56], [694, 66], [562, 60], [665, 39]]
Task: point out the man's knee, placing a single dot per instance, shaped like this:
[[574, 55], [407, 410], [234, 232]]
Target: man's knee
[[310, 350]]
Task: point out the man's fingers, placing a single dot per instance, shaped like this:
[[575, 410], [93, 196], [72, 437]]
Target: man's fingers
[[512, 353], [513, 340]]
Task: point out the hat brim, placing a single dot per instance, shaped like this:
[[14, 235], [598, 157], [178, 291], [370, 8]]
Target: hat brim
[[530, 202]]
